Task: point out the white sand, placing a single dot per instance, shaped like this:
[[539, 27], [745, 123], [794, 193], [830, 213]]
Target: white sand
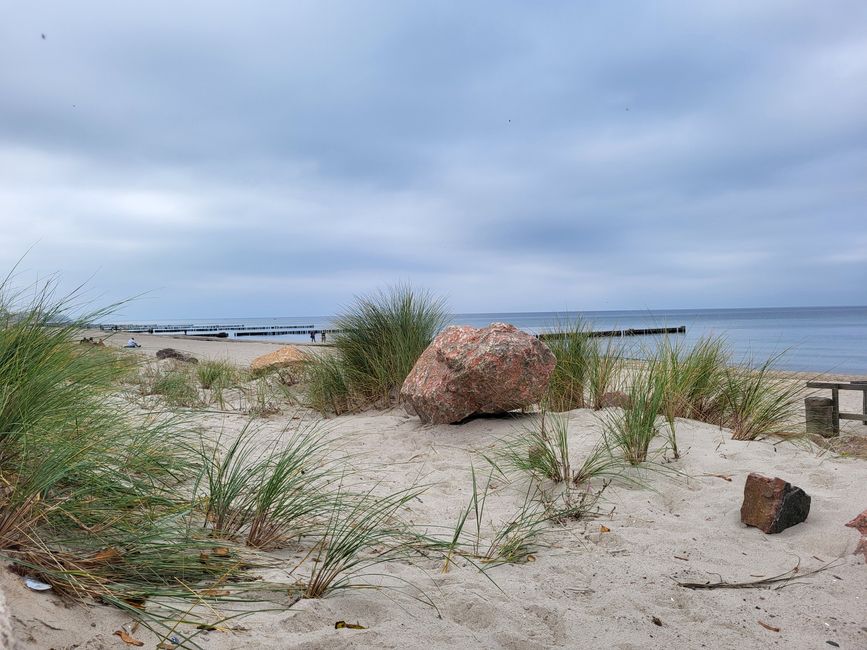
[[585, 588]]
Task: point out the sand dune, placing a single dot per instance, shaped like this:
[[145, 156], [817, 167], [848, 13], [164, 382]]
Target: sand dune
[[585, 588]]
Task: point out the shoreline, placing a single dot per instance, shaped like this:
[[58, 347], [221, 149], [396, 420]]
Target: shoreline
[[242, 352], [192, 344]]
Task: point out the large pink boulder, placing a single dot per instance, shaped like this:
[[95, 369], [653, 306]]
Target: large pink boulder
[[466, 370]]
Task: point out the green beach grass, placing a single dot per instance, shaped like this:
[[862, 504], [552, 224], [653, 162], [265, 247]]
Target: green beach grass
[[383, 335]]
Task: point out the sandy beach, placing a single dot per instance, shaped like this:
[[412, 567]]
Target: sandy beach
[[608, 581]]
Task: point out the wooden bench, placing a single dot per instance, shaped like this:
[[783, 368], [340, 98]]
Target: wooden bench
[[836, 415]]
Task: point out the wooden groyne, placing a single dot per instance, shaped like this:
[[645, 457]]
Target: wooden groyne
[[632, 331], [218, 330], [226, 331]]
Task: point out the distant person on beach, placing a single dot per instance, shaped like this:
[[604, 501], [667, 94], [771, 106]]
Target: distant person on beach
[[323, 337], [313, 336], [132, 344]]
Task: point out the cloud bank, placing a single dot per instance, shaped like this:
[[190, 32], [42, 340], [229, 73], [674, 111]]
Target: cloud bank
[[258, 159]]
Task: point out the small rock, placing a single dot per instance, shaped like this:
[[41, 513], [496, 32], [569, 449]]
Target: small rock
[[615, 398], [772, 504], [171, 353], [859, 523], [286, 357]]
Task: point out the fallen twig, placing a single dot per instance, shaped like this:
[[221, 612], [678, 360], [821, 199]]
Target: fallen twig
[[763, 582]]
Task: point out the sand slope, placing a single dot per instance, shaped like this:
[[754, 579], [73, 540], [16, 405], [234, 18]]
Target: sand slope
[[585, 588]]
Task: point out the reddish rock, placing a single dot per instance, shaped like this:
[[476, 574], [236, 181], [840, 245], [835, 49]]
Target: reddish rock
[[772, 504], [466, 370], [615, 398], [859, 523]]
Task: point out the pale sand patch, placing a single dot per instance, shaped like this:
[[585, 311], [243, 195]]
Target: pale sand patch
[[585, 588], [239, 351]]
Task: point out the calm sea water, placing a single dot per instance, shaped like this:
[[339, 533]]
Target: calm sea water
[[820, 339]]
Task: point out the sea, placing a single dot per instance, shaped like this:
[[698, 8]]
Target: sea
[[809, 339]]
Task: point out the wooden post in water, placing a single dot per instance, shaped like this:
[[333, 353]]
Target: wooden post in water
[[820, 416]]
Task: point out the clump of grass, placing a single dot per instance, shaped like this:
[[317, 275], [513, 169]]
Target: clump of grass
[[605, 364], [383, 336], [631, 430], [693, 378], [510, 542], [363, 531], [267, 495], [514, 539], [89, 498], [327, 388], [175, 386], [756, 403], [541, 450], [171, 381], [217, 376], [572, 346]]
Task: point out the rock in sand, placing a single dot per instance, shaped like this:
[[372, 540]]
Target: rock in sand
[[772, 504], [859, 523], [286, 357], [468, 371]]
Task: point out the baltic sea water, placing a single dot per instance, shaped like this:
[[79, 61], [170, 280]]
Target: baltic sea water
[[810, 339]]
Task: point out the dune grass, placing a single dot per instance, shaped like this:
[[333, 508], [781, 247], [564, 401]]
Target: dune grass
[[362, 532], [702, 383], [587, 368], [266, 495], [605, 367], [510, 541], [327, 388], [692, 378], [173, 382], [217, 376], [541, 449], [756, 403], [89, 500], [572, 346], [631, 430], [384, 335]]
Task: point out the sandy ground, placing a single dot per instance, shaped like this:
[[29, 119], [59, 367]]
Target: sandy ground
[[238, 351], [585, 588]]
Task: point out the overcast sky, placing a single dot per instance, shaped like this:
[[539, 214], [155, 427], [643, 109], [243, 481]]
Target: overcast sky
[[276, 158]]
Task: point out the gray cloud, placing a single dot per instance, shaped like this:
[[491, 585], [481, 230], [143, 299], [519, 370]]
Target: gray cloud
[[274, 159]]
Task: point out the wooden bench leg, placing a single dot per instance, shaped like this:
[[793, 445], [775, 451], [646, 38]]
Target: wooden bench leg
[[835, 397]]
